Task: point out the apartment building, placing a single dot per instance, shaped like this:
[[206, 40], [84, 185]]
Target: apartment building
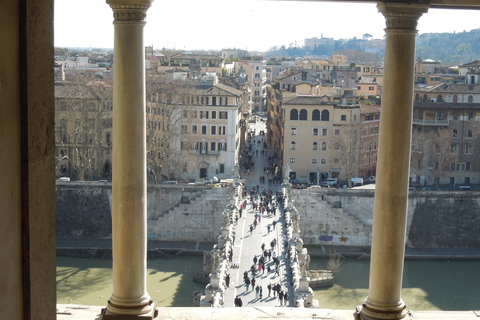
[[311, 127]]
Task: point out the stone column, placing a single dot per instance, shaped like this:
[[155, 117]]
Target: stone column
[[391, 191], [130, 298]]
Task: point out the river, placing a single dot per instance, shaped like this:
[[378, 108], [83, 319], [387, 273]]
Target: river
[[427, 285]]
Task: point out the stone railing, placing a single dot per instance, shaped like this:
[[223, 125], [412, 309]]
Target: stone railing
[[299, 258], [217, 262]]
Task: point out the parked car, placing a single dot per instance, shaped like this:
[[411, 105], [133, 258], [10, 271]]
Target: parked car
[[331, 182], [369, 180], [64, 179], [464, 188]]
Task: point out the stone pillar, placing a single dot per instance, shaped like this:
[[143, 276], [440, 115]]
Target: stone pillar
[[391, 191], [130, 298]]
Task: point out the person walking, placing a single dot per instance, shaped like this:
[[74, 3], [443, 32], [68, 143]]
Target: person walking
[[247, 283], [261, 293], [255, 260], [269, 287], [227, 280], [253, 283], [257, 291], [285, 299], [280, 298]]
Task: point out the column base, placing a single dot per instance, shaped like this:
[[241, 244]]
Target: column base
[[151, 314], [365, 313]]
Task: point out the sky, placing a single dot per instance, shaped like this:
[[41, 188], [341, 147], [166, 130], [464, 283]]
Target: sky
[[245, 24]]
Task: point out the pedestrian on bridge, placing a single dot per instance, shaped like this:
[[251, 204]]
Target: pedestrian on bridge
[[247, 283], [257, 291], [280, 298], [269, 287], [253, 283]]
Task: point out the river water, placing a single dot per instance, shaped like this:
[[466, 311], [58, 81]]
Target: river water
[[427, 285]]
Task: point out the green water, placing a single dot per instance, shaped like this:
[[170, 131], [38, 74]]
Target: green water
[[427, 285], [89, 281]]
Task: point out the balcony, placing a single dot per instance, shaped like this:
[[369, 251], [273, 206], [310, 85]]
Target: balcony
[[428, 122]]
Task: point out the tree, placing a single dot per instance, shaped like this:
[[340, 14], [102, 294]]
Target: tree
[[434, 149], [169, 134], [83, 123], [346, 148]]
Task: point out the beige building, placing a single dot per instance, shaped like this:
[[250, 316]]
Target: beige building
[[310, 125]]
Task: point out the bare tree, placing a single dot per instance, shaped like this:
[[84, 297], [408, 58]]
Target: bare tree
[[169, 134], [434, 150], [83, 122], [346, 148]]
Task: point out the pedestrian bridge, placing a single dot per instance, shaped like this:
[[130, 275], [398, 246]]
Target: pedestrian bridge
[[259, 259]]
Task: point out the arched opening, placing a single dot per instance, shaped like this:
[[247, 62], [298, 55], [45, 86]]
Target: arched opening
[[303, 114], [294, 114], [325, 115], [316, 115]]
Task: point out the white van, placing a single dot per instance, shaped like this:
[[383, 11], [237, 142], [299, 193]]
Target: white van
[[357, 181]]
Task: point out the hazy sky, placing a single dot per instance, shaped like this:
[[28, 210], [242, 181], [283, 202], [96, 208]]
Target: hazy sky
[[245, 24]]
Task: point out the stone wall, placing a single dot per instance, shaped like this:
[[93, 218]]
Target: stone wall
[[344, 217], [174, 212]]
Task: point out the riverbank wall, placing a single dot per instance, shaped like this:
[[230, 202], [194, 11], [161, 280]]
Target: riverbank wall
[[328, 217]]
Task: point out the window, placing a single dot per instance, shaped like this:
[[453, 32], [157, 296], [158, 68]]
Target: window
[[454, 133], [107, 138], [222, 146], [440, 115], [222, 168], [292, 160], [257, 75], [324, 146], [316, 115], [293, 145], [294, 114], [455, 116], [454, 148], [376, 130], [336, 161], [315, 131], [468, 148], [371, 88], [315, 146], [324, 131], [343, 117], [203, 114], [337, 132], [221, 130], [213, 130], [325, 115], [194, 128], [469, 133], [468, 166], [471, 116], [193, 114], [470, 99], [323, 161], [467, 179], [314, 160], [439, 98], [223, 115], [214, 114], [204, 129], [213, 146], [184, 128], [293, 131], [455, 98], [303, 114], [417, 97]]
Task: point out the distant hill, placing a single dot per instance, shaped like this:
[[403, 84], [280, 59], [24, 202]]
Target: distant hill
[[450, 48]]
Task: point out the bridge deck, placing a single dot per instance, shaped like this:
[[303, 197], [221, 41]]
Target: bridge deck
[[248, 244]]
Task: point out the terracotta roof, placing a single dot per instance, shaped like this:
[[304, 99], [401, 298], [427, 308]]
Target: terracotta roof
[[307, 100], [366, 108], [445, 105], [450, 88]]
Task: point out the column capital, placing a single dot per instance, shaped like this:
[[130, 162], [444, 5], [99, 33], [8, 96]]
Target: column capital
[[129, 10], [402, 16]]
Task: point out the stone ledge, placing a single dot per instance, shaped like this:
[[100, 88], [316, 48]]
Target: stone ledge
[[79, 312]]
